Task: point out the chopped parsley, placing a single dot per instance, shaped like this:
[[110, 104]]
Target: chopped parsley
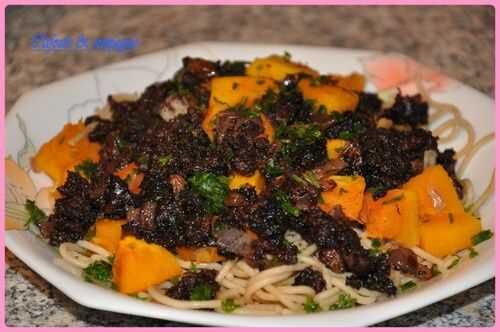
[[36, 215], [120, 144], [298, 179], [165, 160], [376, 243], [435, 271], [235, 85], [286, 204], [346, 135], [393, 200], [193, 267], [87, 168], [297, 139], [454, 263], [228, 305], [287, 56], [310, 177], [99, 272], [310, 306], [344, 302], [481, 237], [212, 188], [451, 220], [375, 190], [266, 103], [272, 169], [139, 297], [408, 285], [473, 253], [201, 292]]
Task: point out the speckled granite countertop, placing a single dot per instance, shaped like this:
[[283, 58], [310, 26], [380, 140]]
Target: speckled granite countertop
[[457, 40]]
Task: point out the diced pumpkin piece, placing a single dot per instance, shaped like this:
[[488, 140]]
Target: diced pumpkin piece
[[409, 235], [384, 219], [133, 177], [354, 81], [332, 97], [199, 255], [277, 67], [393, 217], [446, 233], [348, 194], [229, 91], [256, 180], [108, 233], [435, 190], [335, 147], [139, 265], [63, 152]]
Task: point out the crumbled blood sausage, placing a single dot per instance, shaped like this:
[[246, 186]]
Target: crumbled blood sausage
[[311, 278], [189, 281]]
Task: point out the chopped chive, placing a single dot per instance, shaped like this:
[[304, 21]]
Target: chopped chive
[[408, 285], [482, 236], [393, 200]]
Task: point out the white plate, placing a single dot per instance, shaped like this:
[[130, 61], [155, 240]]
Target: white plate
[[45, 110]]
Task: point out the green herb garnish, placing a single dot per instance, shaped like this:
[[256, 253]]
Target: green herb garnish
[[36, 215], [310, 306], [164, 160], [235, 85], [286, 204], [228, 305], [344, 302], [87, 168], [201, 292], [482, 236], [287, 56], [393, 200], [298, 179], [346, 135], [374, 190], [454, 263], [99, 272], [193, 267], [272, 169], [450, 218], [408, 285], [212, 188], [376, 243], [310, 177], [473, 253], [435, 271]]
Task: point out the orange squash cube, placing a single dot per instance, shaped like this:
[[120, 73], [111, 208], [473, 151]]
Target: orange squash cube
[[229, 91], [348, 194], [108, 233], [61, 154], [256, 180], [435, 191], [354, 81], [200, 255], [139, 265], [393, 217], [332, 97], [277, 68], [334, 147], [446, 233]]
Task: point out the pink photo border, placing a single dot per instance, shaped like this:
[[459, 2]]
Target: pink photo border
[[211, 2]]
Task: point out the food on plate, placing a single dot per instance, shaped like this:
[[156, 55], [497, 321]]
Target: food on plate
[[258, 188]]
